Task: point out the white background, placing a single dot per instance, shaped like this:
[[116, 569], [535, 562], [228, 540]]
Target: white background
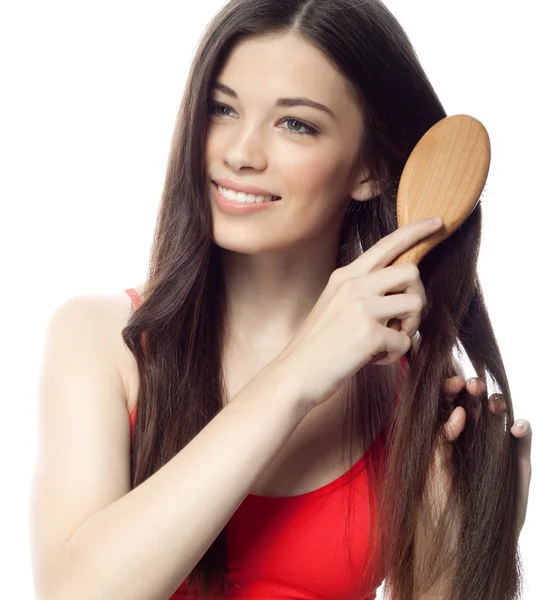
[[90, 95]]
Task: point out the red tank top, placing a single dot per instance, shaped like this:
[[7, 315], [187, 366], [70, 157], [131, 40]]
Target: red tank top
[[295, 547]]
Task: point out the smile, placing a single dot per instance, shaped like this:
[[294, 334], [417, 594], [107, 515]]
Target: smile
[[236, 206], [243, 198]]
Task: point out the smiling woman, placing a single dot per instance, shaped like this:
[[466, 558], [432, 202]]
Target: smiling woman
[[266, 453], [305, 158]]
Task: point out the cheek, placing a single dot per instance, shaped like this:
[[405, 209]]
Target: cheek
[[315, 179], [216, 143], [210, 149]]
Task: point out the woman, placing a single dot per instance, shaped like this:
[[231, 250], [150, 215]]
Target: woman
[[286, 443]]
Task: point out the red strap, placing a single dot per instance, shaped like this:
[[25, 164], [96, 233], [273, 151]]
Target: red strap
[[137, 303], [134, 295]]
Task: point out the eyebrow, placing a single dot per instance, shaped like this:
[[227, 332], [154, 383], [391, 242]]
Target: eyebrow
[[301, 101]]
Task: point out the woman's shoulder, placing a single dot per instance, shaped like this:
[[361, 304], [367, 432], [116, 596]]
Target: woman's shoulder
[[108, 314]]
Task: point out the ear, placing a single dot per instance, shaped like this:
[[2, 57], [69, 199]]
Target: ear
[[365, 188]]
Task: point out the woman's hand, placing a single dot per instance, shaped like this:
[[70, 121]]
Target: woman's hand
[[347, 328], [438, 481], [454, 426]]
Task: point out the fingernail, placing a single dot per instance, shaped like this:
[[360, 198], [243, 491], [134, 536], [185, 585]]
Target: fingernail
[[471, 380], [435, 220], [519, 424]]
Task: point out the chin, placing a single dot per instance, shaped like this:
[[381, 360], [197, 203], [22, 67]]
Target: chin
[[246, 244]]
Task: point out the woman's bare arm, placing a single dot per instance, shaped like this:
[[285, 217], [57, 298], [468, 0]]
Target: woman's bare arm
[[92, 537]]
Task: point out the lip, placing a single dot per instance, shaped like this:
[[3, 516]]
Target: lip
[[236, 208], [240, 187]]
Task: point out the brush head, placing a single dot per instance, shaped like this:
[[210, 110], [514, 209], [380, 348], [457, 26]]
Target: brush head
[[444, 176]]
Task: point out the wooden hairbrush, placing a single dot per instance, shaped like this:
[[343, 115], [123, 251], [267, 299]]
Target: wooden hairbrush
[[444, 176]]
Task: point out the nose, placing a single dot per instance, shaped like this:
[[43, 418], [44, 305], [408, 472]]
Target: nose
[[245, 149]]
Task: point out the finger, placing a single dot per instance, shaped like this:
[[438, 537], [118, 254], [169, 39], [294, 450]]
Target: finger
[[388, 248], [394, 345], [453, 386], [475, 386], [455, 424], [452, 429], [406, 307], [497, 404], [523, 433], [397, 279]]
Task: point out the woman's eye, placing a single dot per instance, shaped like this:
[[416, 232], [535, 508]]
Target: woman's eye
[[215, 106], [301, 124]]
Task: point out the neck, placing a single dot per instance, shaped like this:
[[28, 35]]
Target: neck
[[269, 295]]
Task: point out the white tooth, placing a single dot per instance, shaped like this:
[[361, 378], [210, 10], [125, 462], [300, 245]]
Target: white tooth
[[241, 197]]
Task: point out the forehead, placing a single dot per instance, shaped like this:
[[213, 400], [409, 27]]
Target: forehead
[[286, 65]]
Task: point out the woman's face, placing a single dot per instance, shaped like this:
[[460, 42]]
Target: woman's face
[[303, 154]]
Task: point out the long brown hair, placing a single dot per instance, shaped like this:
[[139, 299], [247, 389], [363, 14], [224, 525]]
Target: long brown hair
[[181, 381]]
